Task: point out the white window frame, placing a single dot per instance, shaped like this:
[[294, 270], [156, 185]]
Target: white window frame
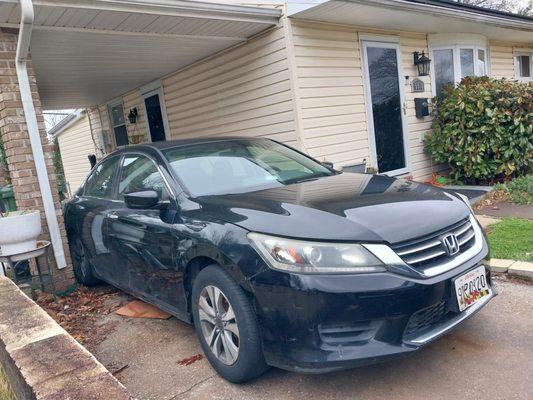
[[523, 52], [113, 103], [456, 51], [148, 91]]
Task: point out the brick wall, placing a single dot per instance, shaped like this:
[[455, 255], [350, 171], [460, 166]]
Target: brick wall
[[18, 150]]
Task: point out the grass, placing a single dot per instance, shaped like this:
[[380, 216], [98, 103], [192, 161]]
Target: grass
[[512, 239], [5, 389], [519, 190]]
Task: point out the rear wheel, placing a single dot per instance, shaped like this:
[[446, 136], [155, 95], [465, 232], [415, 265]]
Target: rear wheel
[[83, 270], [226, 326]]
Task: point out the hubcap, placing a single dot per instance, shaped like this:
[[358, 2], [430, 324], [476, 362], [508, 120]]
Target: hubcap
[[219, 325]]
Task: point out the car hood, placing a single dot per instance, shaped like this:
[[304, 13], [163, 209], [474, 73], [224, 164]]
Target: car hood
[[345, 206]]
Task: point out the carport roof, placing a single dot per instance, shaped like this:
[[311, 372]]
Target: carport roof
[[86, 52]]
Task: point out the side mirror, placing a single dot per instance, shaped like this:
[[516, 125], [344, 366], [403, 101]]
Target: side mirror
[[328, 164], [141, 200]]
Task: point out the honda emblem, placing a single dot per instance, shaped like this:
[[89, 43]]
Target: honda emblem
[[450, 243]]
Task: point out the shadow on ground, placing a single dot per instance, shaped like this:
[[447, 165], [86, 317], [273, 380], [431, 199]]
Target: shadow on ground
[[488, 357]]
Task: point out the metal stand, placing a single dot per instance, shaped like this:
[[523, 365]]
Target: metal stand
[[12, 260]]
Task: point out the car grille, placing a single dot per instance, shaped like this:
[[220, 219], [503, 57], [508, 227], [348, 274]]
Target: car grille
[[425, 318], [428, 251]]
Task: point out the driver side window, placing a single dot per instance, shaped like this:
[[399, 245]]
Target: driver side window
[[140, 173]]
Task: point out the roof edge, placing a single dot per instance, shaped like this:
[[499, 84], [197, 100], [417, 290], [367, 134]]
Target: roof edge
[[65, 123]]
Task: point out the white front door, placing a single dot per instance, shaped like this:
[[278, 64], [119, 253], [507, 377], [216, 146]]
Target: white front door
[[385, 107]]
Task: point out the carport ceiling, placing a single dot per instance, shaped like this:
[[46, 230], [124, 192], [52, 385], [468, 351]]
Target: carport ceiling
[[86, 52]]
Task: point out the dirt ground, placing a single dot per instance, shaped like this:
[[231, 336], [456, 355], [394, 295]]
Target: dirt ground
[[489, 356]]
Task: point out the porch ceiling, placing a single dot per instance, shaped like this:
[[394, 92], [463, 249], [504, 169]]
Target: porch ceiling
[[86, 52], [418, 16]]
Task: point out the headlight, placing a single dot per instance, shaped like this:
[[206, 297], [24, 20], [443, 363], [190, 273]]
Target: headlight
[[315, 257]]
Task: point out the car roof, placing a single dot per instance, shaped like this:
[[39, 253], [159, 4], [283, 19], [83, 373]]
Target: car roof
[[168, 144]]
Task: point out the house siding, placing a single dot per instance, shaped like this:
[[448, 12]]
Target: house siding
[[138, 132], [75, 144], [331, 94], [243, 91], [502, 60]]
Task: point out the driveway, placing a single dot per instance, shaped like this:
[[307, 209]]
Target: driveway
[[489, 357]]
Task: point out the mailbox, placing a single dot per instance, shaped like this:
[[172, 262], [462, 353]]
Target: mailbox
[[421, 107]]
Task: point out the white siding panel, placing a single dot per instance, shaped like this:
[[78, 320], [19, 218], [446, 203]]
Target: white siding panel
[[75, 144], [244, 91], [330, 93]]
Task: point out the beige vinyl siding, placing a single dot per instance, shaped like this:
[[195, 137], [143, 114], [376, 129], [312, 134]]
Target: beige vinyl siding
[[244, 91], [75, 144], [501, 60], [331, 94], [138, 132]]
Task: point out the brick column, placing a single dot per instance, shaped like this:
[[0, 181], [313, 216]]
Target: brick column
[[18, 149]]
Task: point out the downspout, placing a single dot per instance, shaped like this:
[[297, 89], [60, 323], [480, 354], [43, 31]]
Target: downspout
[[23, 45]]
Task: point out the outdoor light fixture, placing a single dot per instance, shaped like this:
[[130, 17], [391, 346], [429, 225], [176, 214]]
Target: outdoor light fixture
[[132, 116], [422, 63]]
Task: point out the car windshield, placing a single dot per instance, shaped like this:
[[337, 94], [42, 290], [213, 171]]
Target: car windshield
[[238, 166]]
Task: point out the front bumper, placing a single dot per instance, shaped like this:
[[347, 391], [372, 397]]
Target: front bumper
[[325, 323]]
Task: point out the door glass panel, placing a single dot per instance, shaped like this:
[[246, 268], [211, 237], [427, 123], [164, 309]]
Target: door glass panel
[[444, 72], [100, 182], [386, 108], [140, 173], [481, 68], [155, 118], [467, 62], [121, 135]]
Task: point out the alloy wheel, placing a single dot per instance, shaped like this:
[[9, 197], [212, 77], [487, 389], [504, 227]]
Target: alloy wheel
[[219, 324]]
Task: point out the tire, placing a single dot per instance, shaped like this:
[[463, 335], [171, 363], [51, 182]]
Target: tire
[[249, 361], [83, 269]]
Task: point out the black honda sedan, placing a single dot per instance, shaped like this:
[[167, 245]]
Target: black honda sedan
[[278, 259]]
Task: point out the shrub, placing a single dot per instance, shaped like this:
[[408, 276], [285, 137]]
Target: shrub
[[519, 190], [483, 129]]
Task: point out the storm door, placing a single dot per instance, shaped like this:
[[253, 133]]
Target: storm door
[[385, 106]]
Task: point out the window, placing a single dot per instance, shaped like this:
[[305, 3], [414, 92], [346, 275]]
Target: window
[[240, 166], [523, 65], [116, 118], [453, 63], [100, 183], [140, 173]]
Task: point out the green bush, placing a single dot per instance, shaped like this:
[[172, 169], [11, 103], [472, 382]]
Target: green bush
[[483, 129], [520, 190]]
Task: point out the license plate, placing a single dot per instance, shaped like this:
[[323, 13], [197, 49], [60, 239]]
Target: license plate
[[471, 287]]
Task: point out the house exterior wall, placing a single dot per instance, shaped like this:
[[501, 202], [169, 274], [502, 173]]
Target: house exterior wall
[[75, 144], [331, 93], [301, 83], [243, 91]]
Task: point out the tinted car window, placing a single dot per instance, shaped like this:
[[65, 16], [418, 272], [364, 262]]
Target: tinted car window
[[140, 173], [241, 165], [100, 182]]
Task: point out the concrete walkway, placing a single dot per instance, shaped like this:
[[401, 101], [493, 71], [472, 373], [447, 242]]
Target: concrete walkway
[[490, 356], [508, 210]]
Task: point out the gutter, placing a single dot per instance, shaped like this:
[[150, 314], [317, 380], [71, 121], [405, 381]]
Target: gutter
[[23, 45]]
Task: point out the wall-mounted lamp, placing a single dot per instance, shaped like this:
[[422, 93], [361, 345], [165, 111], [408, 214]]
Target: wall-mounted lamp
[[422, 63], [132, 116]]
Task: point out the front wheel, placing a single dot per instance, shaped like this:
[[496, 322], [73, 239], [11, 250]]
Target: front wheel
[[226, 326], [83, 270]]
